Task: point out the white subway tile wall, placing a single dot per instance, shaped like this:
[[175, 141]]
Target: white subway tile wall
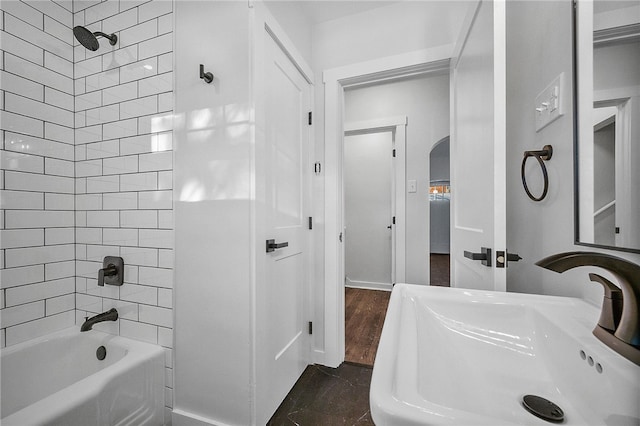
[[37, 282], [86, 168], [124, 167]]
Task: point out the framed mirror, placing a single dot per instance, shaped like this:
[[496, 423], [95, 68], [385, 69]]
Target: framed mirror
[[607, 141]]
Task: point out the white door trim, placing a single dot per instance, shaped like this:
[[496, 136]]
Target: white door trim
[[500, 135], [335, 80], [379, 124], [397, 125]]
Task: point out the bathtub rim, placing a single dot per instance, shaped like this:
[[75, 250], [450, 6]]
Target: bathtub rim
[[137, 353]]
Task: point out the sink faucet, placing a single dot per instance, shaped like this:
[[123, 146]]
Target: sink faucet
[[110, 315], [618, 328]]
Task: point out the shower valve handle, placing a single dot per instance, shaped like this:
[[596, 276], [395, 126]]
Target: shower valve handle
[[112, 272]]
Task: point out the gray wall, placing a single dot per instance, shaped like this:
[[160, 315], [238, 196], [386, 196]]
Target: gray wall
[[539, 48]]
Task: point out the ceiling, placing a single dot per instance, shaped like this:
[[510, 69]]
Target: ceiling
[[327, 10], [600, 6]]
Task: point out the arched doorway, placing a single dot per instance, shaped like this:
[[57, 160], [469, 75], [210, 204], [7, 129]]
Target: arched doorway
[[439, 213]]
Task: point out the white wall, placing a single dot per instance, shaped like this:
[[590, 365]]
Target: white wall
[[386, 31], [425, 102], [219, 168], [616, 67], [439, 159], [291, 16], [539, 48], [212, 204], [37, 254], [604, 179]]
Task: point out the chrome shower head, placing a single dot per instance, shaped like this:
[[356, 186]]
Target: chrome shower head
[[89, 40]]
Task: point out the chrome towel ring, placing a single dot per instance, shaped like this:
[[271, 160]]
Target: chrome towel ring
[[542, 156]]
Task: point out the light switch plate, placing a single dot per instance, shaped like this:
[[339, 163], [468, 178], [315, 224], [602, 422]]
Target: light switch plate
[[412, 186], [549, 105]]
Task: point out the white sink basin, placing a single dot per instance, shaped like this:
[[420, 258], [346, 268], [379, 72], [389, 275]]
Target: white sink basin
[[467, 357]]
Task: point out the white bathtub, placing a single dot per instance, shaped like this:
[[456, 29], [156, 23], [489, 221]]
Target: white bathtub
[[58, 380]]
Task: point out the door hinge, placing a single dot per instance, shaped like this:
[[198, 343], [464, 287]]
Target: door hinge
[[310, 222], [310, 118], [394, 152], [340, 237], [310, 327], [317, 168], [393, 220]]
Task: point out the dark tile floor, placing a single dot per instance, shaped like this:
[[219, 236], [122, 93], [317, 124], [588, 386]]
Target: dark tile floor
[[326, 396]]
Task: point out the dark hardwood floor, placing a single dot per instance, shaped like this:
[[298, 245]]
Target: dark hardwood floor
[[439, 270], [364, 316]]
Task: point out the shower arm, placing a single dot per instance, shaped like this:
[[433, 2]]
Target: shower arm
[[113, 39]]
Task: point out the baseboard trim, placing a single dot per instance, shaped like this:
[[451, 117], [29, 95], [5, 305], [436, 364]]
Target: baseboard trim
[[367, 285], [183, 418]]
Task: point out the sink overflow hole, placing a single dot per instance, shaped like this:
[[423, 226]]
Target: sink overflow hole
[[101, 353], [589, 359], [543, 408]]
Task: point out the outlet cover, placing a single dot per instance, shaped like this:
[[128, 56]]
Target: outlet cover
[[549, 105]]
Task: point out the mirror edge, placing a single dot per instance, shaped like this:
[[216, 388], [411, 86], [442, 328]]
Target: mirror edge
[[576, 133]]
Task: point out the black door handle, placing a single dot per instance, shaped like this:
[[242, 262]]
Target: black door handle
[[272, 245], [484, 256], [475, 256]]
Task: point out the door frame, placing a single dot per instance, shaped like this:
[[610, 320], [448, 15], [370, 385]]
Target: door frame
[[398, 127], [335, 81], [623, 159]]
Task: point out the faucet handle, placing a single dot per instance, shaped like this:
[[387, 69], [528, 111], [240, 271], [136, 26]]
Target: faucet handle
[[611, 303], [101, 277], [611, 291]]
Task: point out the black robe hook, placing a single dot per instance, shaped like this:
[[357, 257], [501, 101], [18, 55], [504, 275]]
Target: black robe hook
[[206, 76]]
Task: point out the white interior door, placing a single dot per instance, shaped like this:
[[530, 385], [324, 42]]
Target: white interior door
[[369, 212], [282, 335], [478, 151]]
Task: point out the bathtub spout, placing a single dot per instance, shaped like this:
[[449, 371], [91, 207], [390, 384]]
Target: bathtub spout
[[110, 315]]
